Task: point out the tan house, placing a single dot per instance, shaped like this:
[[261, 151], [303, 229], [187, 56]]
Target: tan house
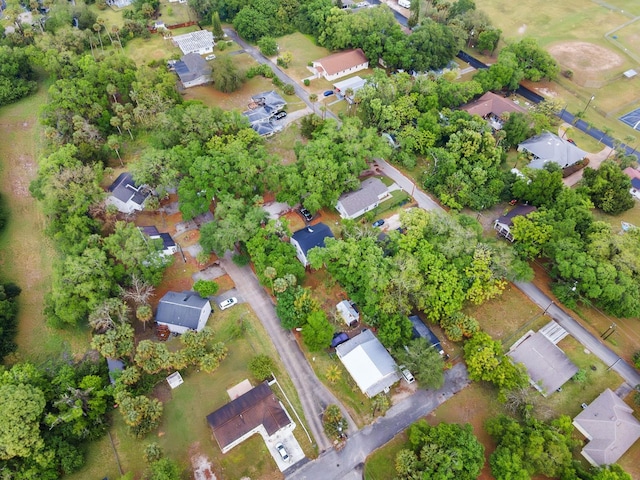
[[341, 64], [609, 425]]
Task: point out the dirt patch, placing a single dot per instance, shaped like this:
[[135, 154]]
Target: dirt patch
[[585, 57], [403, 391], [162, 392], [202, 467]]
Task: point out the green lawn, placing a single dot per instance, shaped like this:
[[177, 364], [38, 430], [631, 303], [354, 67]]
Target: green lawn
[[304, 50], [174, 13], [380, 465]]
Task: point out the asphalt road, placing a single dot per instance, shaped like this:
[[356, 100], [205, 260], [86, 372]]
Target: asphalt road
[[347, 464], [424, 201], [314, 396]]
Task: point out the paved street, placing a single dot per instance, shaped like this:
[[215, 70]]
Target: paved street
[[424, 201], [314, 396], [348, 462]]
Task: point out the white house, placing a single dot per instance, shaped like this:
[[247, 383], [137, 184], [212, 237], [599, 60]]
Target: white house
[[341, 64], [353, 204], [183, 311], [193, 70], [200, 42], [169, 246], [310, 237], [503, 224], [349, 314], [369, 363], [353, 83], [634, 175], [125, 195]]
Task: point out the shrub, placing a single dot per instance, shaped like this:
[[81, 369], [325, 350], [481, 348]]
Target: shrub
[[306, 82], [222, 46], [289, 89], [261, 367], [206, 288], [241, 259], [636, 359]]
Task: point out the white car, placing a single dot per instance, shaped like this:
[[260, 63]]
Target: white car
[[408, 376], [229, 302], [283, 452], [210, 57]]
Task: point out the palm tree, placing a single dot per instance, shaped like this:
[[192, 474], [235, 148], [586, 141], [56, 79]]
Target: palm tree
[[144, 314], [313, 98], [97, 28], [333, 374]]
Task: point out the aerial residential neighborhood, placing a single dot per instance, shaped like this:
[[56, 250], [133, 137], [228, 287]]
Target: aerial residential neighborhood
[[325, 240]]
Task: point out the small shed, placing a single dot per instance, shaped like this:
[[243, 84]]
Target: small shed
[[349, 314]]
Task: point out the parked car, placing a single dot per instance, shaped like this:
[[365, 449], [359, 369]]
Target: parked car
[[210, 57], [283, 452], [228, 303], [408, 376], [378, 223], [306, 214], [328, 93], [338, 339], [279, 115]]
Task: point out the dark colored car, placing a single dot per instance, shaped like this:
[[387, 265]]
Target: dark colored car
[[378, 223], [306, 214], [279, 115], [328, 93], [338, 339]]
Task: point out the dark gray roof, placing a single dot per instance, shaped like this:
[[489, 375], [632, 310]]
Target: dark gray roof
[[367, 195], [312, 236], [181, 309], [270, 98], [167, 241], [114, 365], [259, 406], [548, 147], [125, 189], [260, 114], [192, 66], [152, 232], [518, 211], [264, 129], [420, 330]]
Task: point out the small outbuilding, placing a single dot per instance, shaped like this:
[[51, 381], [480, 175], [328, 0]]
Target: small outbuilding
[[609, 425], [126, 195], [503, 224], [353, 83], [368, 363], [183, 311], [547, 365], [353, 204], [310, 237], [256, 411], [349, 314]]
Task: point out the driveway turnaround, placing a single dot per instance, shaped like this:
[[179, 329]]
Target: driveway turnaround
[[314, 396], [348, 462]]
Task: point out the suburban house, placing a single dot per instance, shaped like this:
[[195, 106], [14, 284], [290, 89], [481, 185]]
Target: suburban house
[[256, 411], [199, 42], [193, 70], [503, 224], [125, 195], [548, 366], [634, 175], [169, 246], [353, 204], [547, 147], [183, 311], [349, 314], [609, 425], [341, 64], [420, 330], [310, 237], [262, 108], [369, 363], [353, 83], [492, 108]]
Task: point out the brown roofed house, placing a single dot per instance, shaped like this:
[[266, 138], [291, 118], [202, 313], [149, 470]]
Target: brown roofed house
[[492, 108], [239, 419], [341, 64], [610, 426]]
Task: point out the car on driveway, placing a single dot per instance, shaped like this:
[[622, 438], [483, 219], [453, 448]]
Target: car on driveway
[[280, 115], [378, 223], [210, 57], [283, 452], [228, 303], [408, 376], [328, 93], [306, 214], [338, 339]]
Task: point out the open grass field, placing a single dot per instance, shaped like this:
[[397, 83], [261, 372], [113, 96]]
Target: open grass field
[[184, 432], [26, 254], [304, 50]]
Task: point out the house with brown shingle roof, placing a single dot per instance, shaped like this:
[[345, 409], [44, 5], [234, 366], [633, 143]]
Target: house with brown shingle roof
[[492, 104], [341, 64], [257, 411], [609, 425]]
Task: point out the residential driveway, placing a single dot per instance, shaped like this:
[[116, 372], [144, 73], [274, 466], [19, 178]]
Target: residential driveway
[[348, 462], [313, 395], [291, 445]]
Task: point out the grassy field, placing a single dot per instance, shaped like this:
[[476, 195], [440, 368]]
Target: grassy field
[[25, 253], [184, 432], [304, 50]]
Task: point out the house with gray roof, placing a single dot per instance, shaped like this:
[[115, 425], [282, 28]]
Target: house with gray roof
[[609, 425], [183, 311], [547, 365], [368, 363], [125, 195], [193, 70], [547, 147], [269, 99], [350, 315], [310, 237], [371, 192]]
